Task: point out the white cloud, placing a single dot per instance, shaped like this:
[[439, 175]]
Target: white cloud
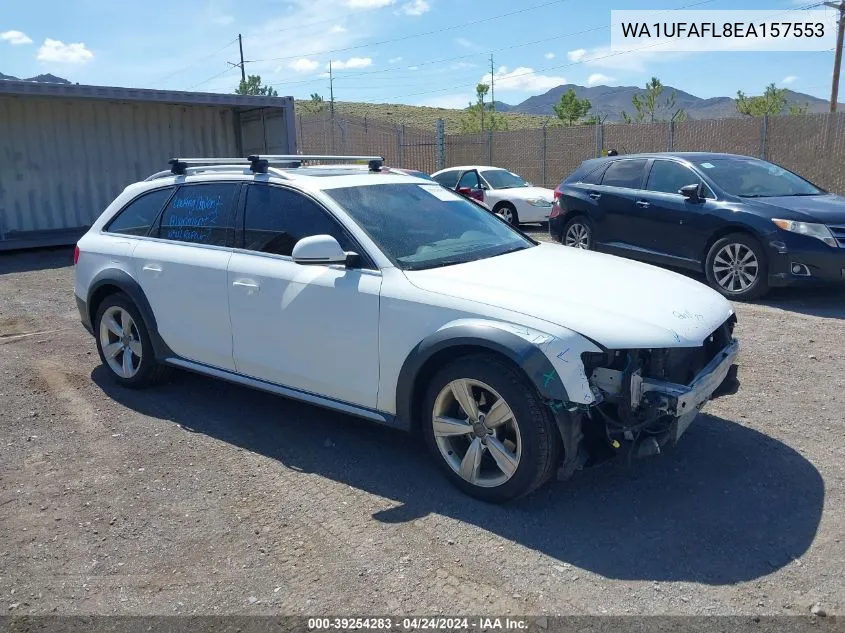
[[627, 60], [577, 55], [15, 38], [415, 7], [462, 65], [337, 28], [368, 4], [462, 41], [352, 62], [394, 60], [413, 67], [223, 20], [453, 102], [788, 79], [304, 65], [549, 55], [597, 79], [59, 52], [522, 79]]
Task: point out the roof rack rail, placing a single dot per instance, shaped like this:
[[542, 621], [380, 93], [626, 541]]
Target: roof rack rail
[[260, 162], [179, 166]]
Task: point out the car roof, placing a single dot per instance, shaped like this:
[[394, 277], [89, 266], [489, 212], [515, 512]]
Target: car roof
[[687, 156], [467, 167]]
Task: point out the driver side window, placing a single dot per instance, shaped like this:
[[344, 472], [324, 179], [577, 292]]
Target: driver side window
[[668, 177], [470, 179]]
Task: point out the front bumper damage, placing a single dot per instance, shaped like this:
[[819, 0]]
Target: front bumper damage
[[646, 399]]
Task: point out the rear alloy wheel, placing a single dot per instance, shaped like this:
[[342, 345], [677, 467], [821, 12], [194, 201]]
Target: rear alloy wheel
[[508, 213], [578, 234], [487, 429], [124, 344], [736, 267]]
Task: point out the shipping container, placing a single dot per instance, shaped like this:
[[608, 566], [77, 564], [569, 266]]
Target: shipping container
[[67, 150]]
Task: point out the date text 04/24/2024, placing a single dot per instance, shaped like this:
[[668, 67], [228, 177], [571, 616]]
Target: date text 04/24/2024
[[417, 624]]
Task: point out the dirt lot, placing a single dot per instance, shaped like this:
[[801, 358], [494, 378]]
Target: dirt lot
[[202, 497]]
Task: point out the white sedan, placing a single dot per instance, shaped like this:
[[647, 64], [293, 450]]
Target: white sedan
[[501, 191]]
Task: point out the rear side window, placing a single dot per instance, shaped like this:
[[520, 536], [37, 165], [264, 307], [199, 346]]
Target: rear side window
[[625, 173], [275, 219], [594, 177], [200, 214], [140, 214], [448, 178]]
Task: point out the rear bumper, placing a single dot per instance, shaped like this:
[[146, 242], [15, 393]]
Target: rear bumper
[[816, 262], [82, 306]]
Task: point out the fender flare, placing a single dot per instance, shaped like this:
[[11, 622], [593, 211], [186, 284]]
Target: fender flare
[[526, 355], [130, 287]]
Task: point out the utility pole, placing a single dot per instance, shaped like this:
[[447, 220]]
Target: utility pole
[[331, 90], [493, 82], [241, 46], [837, 60]]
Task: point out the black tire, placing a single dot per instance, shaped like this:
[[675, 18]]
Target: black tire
[[538, 434], [582, 221], [741, 241], [149, 371], [507, 208]]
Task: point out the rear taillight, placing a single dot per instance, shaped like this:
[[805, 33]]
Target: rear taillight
[[75, 255], [557, 192], [555, 212]]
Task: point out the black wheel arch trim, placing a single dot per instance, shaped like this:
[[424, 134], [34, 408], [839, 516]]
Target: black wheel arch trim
[[122, 280], [527, 356]]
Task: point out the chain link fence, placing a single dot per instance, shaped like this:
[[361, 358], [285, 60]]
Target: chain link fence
[[810, 145]]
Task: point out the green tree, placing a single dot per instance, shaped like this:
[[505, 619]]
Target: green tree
[[315, 105], [571, 109], [772, 101], [652, 106], [797, 109], [252, 86], [479, 116]]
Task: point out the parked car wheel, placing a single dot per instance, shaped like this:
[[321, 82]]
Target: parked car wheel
[[488, 430], [737, 267], [578, 233], [124, 344], [508, 213]]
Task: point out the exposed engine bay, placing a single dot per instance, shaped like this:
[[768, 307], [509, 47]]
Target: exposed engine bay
[[646, 398]]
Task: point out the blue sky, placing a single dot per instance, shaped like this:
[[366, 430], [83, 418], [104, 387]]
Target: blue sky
[[421, 52]]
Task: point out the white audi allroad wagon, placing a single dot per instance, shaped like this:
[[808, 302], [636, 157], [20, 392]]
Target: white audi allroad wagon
[[394, 299]]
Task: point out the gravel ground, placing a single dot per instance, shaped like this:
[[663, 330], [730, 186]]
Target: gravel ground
[[203, 497]]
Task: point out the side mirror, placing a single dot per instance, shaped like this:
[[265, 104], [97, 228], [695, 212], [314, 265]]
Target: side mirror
[[321, 249], [464, 191], [692, 192]]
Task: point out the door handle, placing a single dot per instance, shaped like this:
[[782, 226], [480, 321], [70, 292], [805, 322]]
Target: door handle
[[594, 195], [249, 284], [643, 204], [153, 268]]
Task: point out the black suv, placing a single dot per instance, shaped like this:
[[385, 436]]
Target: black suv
[[747, 223]]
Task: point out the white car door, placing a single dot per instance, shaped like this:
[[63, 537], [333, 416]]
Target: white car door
[[310, 327], [182, 270]]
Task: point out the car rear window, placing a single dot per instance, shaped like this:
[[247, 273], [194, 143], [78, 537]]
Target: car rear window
[[625, 173], [200, 214]]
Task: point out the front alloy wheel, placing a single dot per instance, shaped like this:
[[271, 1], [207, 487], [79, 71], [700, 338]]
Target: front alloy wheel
[[477, 433], [736, 266], [488, 430]]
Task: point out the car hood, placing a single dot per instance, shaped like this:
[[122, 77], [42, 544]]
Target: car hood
[[616, 302], [526, 193], [826, 208]]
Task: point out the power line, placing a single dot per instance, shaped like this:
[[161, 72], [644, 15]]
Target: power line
[[198, 61], [416, 35]]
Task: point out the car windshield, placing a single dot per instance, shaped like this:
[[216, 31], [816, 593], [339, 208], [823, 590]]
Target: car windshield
[[421, 226], [753, 178], [503, 179]]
